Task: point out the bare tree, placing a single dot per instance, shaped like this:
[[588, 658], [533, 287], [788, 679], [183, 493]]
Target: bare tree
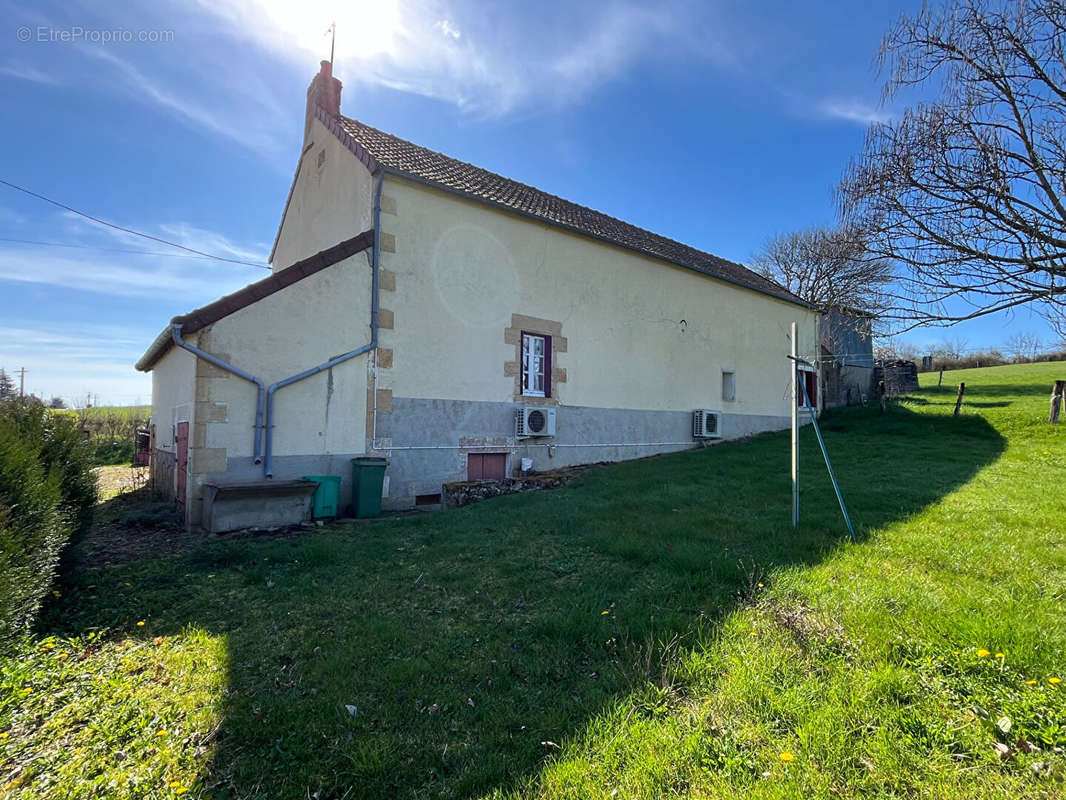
[[967, 192], [1023, 346], [830, 269], [889, 349], [951, 349]]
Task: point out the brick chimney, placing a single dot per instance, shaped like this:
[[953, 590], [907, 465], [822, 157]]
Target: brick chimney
[[324, 92]]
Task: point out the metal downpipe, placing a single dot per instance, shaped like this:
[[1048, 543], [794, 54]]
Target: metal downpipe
[[268, 455], [175, 335]]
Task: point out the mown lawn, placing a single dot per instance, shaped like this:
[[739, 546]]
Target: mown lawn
[[657, 629]]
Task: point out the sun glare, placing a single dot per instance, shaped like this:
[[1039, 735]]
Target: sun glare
[[365, 28]]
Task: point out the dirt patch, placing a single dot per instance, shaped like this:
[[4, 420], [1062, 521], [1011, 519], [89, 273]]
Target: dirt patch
[[130, 521], [807, 626], [113, 481]]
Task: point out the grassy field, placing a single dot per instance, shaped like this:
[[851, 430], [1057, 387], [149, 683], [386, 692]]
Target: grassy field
[[657, 629], [111, 430]]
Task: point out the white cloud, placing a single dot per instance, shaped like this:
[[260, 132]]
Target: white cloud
[[475, 57], [70, 360], [855, 111], [212, 242], [119, 274], [448, 29], [190, 111], [136, 276], [27, 73]]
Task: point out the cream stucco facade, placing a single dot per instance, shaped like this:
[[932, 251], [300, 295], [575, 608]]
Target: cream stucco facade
[[636, 343], [330, 199], [642, 334]]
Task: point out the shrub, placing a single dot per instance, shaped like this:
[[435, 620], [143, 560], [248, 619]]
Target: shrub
[[47, 492], [61, 445]]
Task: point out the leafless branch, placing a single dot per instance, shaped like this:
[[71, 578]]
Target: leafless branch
[[966, 192]]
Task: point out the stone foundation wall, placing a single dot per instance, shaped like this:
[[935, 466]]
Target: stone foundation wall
[[463, 493]]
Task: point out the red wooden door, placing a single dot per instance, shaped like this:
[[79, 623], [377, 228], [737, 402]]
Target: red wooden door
[[486, 466], [183, 459]]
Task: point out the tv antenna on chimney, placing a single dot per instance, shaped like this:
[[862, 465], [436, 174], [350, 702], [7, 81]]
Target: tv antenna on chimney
[[332, 30]]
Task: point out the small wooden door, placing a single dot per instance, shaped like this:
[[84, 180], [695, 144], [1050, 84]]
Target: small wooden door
[[182, 460], [486, 466]]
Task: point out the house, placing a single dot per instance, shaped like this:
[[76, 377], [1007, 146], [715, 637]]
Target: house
[[455, 322], [847, 357]]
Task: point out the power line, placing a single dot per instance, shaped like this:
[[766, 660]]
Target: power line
[[112, 225], [105, 249]]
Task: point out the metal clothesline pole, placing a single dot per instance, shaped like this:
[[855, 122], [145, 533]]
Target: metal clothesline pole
[[825, 452]]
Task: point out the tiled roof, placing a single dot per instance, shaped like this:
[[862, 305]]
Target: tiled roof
[[425, 165]]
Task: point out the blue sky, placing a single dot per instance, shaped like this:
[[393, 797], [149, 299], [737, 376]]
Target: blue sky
[[717, 124]]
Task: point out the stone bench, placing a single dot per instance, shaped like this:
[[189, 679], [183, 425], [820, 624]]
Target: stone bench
[[264, 504]]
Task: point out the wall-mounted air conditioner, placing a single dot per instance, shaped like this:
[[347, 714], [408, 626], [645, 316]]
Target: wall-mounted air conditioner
[[706, 424], [534, 421]]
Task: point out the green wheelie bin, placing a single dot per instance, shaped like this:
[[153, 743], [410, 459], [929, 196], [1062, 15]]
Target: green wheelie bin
[[327, 498], [368, 476]]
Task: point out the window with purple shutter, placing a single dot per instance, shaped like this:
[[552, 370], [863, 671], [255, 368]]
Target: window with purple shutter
[[536, 365]]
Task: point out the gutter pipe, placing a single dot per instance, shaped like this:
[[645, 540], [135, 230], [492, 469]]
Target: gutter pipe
[[268, 456], [175, 335]]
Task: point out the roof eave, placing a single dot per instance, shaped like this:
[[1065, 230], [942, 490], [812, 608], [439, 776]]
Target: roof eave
[[200, 318]]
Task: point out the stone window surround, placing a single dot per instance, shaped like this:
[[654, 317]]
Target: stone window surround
[[520, 323]]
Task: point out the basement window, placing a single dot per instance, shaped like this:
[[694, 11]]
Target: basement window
[[427, 500], [729, 386]]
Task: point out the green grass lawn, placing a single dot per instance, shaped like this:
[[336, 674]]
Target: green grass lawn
[[657, 629]]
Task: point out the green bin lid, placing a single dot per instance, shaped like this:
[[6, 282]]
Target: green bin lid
[[322, 478]]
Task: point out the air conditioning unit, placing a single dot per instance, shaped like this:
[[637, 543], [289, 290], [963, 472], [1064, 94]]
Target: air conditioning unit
[[707, 424], [534, 421]]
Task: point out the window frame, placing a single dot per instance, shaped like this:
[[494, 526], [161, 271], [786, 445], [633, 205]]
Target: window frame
[[527, 377], [732, 375], [802, 370]]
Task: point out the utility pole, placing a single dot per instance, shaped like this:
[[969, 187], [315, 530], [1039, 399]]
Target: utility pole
[[794, 366], [22, 382]]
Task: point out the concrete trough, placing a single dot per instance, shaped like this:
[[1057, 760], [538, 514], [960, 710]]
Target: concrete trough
[[264, 504]]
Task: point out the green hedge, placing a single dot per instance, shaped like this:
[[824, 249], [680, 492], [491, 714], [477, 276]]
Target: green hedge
[[47, 493]]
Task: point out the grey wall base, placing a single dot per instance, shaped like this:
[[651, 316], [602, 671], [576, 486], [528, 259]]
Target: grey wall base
[[427, 443]]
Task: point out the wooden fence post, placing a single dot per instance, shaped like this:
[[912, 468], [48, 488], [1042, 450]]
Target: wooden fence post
[[1056, 401], [958, 400]]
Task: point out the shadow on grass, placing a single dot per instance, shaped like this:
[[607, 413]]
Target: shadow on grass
[[434, 656]]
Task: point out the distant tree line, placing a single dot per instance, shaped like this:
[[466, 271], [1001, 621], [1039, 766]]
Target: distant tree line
[[955, 353]]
